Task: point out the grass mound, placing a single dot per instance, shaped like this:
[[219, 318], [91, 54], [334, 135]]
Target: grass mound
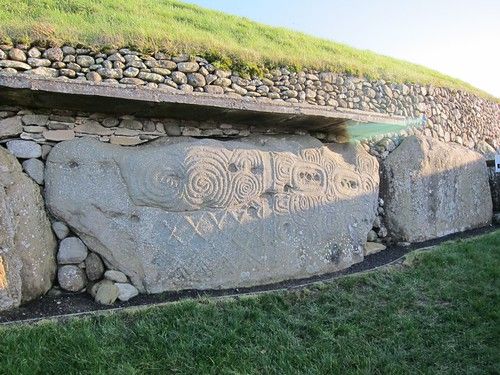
[[170, 25], [438, 314]]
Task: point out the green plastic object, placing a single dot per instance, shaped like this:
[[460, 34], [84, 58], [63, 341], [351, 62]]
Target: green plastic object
[[360, 131]]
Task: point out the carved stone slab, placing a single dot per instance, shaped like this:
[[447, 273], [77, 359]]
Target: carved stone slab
[[208, 214]]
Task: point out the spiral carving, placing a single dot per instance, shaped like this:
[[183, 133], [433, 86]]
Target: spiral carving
[[214, 177], [159, 184], [246, 187], [208, 179], [247, 160], [282, 204], [366, 164], [162, 183], [369, 183], [282, 168], [312, 155]]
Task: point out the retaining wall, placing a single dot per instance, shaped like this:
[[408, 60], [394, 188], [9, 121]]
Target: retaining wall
[[152, 204]]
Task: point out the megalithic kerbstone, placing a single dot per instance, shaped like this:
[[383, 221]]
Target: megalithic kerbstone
[[431, 189], [27, 244], [207, 214]]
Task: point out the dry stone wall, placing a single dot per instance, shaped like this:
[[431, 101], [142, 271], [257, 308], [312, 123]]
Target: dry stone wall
[[451, 116], [148, 169]]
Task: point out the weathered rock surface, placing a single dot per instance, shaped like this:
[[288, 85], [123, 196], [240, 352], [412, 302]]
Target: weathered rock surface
[[71, 278], [10, 127], [126, 291], [106, 292], [24, 149], [27, 245], [185, 213], [35, 169], [71, 251], [94, 267], [432, 189]]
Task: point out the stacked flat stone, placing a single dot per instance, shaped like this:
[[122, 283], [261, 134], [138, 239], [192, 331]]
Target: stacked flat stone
[[446, 110]]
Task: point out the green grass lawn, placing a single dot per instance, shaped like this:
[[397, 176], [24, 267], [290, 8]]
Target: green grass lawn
[[175, 26], [437, 314]]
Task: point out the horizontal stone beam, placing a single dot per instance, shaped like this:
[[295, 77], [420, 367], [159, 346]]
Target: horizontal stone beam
[[153, 102]]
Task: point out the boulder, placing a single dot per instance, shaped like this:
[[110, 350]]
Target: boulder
[[27, 245], [432, 189], [184, 213]]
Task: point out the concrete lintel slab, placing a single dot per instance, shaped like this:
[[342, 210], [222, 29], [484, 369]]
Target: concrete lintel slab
[[141, 101]]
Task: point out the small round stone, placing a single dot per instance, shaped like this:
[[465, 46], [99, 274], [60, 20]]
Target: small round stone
[[71, 251], [93, 77], [179, 78], [17, 54], [94, 267], [68, 50], [71, 278], [85, 61], [60, 229], [110, 122], [188, 67], [196, 80], [35, 169], [186, 88], [126, 291], [24, 149], [131, 72], [172, 130], [115, 276], [106, 292], [34, 53], [54, 54]]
